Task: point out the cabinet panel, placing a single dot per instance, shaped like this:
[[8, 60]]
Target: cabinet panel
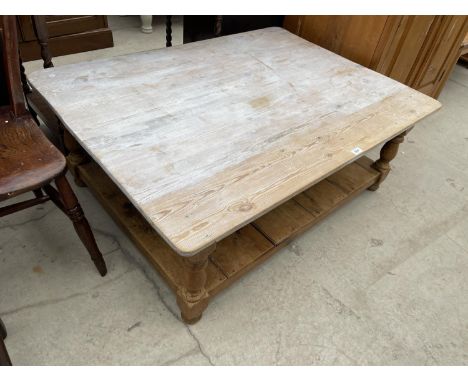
[[67, 35], [353, 37], [409, 39], [65, 25], [443, 54]]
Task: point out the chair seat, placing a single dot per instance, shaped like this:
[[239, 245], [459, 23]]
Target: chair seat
[[28, 159]]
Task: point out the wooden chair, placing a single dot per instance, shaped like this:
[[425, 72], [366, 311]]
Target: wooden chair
[[4, 357], [30, 163]]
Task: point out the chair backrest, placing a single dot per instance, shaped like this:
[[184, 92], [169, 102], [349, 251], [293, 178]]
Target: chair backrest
[[11, 69]]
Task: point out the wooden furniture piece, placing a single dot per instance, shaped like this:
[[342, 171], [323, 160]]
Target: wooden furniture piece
[[68, 35], [197, 28], [4, 357], [464, 50], [213, 155], [419, 51], [29, 161]]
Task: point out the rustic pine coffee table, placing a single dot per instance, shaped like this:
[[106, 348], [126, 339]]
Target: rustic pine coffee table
[[215, 154]]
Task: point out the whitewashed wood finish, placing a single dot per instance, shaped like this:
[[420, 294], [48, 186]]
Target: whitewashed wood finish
[[205, 137]]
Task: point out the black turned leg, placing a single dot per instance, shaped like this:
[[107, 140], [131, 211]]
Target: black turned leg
[[168, 31], [82, 228]]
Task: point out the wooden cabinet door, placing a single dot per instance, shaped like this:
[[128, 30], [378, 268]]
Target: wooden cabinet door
[[61, 25], [65, 25], [67, 35], [406, 37], [353, 37], [442, 54]]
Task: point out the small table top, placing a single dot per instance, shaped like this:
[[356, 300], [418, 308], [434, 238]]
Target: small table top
[[203, 138]]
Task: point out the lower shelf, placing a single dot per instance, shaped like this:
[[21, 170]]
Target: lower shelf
[[249, 246]]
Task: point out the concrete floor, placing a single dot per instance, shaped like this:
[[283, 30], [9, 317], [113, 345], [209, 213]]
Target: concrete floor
[[383, 281]]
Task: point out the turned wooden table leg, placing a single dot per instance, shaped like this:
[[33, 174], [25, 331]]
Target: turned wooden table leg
[[387, 154], [193, 298], [76, 156]]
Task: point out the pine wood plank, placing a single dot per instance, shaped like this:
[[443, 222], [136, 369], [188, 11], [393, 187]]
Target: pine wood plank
[[321, 197], [240, 249], [284, 221], [352, 178], [206, 137]]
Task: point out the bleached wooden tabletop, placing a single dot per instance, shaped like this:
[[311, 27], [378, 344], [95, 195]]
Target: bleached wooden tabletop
[[204, 138]]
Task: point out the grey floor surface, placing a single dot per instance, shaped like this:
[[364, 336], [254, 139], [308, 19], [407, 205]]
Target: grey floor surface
[[383, 281]]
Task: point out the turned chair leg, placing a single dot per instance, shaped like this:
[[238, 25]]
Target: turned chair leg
[[82, 228], [193, 298], [387, 154]]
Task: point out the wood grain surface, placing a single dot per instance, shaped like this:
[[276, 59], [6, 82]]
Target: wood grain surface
[[206, 137]]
